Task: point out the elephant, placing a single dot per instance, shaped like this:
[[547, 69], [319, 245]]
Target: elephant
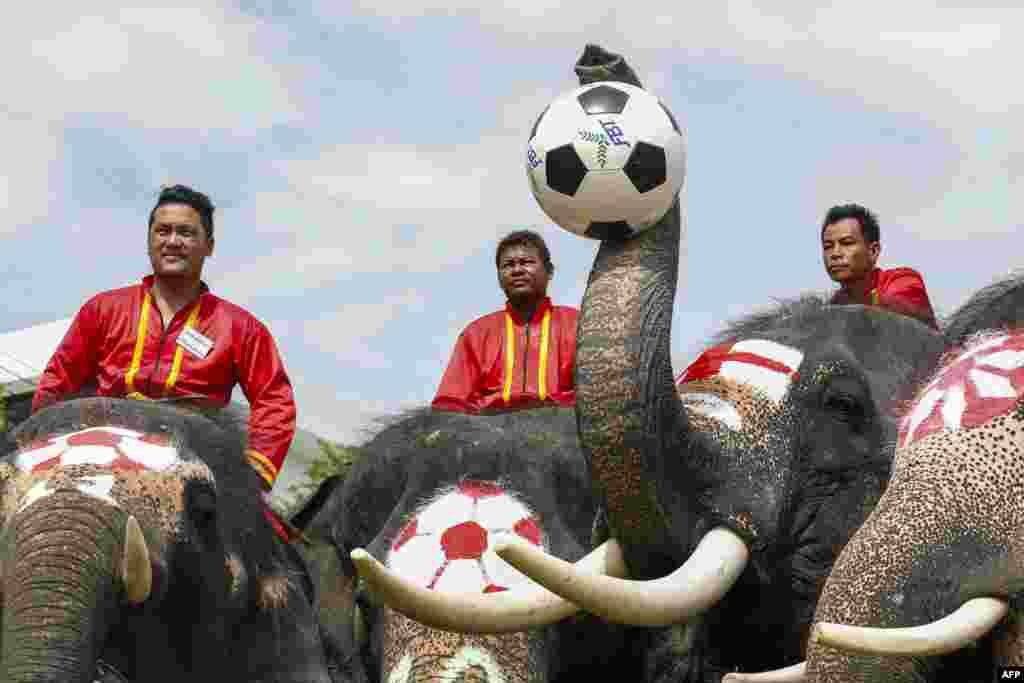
[[428, 496], [725, 496], [135, 545], [944, 542]]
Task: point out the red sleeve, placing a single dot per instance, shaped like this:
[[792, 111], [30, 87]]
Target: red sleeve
[[266, 385], [460, 379], [74, 362], [904, 292]]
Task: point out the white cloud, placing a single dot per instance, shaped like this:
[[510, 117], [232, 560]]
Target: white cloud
[[193, 66], [388, 208], [27, 189], [351, 332]]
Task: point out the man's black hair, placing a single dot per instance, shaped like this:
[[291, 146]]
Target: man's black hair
[[182, 194], [525, 238], [867, 220]]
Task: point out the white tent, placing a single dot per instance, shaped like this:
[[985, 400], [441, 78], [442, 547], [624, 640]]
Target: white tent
[[24, 353], [23, 357]]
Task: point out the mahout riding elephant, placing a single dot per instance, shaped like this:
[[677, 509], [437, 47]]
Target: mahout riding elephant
[[429, 496], [944, 543], [728, 497], [134, 545]]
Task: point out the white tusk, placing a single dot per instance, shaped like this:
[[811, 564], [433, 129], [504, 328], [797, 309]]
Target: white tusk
[[968, 623], [697, 585], [136, 569], [517, 609], [791, 674]]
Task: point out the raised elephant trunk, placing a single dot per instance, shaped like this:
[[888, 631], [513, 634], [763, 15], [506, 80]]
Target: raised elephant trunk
[[59, 586], [630, 416]]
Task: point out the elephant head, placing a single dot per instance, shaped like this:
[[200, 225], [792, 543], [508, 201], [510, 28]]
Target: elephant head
[[425, 504], [729, 494], [134, 533], [940, 561]]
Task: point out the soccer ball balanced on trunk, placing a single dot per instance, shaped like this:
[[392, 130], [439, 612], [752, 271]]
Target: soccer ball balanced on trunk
[[606, 159]]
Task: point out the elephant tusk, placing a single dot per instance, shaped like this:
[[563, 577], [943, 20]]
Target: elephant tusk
[[968, 623], [697, 585], [796, 673], [359, 632], [517, 609], [136, 568]]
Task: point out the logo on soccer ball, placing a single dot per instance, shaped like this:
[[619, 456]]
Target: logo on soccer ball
[[444, 546], [614, 132]]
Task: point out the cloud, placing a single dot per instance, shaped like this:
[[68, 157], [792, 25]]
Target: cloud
[[350, 334], [194, 66], [27, 186], [388, 208]]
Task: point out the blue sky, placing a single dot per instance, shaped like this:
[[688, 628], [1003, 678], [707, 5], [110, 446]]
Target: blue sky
[[366, 156]]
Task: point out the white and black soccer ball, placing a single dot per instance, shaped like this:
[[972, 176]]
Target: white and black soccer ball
[[606, 160]]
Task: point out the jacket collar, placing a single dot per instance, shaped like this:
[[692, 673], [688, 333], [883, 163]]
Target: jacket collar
[[147, 285], [542, 308]]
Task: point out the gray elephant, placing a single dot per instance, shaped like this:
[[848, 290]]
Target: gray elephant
[[728, 497], [133, 534], [936, 572], [429, 497]]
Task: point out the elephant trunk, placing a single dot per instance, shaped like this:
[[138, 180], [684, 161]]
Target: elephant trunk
[[58, 589], [630, 416], [923, 567]]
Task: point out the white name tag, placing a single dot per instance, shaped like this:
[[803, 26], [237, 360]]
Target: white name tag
[[195, 342]]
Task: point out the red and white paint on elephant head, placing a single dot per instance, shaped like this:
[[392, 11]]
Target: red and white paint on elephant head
[[107, 463], [769, 368], [445, 545], [982, 381]]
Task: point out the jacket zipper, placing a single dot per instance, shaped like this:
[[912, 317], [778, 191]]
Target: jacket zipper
[[160, 348], [526, 356]]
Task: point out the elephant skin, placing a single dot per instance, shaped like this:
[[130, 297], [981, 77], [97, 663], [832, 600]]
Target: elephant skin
[[524, 471], [219, 598], [948, 528], [788, 448]]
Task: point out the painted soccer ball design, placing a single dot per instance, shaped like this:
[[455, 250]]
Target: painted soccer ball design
[[606, 160], [444, 545]]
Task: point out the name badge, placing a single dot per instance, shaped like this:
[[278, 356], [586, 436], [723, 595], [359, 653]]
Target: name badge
[[195, 343]]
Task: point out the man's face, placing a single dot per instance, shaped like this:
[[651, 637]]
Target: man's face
[[521, 273], [178, 244], [847, 257]]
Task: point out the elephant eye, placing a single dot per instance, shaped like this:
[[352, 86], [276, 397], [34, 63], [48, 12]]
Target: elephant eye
[[844, 406]]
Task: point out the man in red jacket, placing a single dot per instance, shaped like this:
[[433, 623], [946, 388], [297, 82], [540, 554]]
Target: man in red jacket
[[851, 242], [519, 357], [170, 337]]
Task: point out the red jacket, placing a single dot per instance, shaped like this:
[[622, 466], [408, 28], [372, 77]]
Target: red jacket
[[502, 363], [118, 341], [900, 290]]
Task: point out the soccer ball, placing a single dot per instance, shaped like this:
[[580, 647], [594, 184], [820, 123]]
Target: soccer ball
[[606, 160], [446, 545]]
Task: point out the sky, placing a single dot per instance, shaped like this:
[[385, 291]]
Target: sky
[[366, 157]]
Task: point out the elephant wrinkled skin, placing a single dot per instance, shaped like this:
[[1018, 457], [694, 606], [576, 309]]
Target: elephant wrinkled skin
[[133, 540]]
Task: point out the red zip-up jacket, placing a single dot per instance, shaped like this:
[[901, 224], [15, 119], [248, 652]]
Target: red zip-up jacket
[[119, 342], [501, 362], [900, 290]]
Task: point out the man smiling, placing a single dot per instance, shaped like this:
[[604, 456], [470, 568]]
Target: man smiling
[[851, 244], [169, 337], [519, 357]]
